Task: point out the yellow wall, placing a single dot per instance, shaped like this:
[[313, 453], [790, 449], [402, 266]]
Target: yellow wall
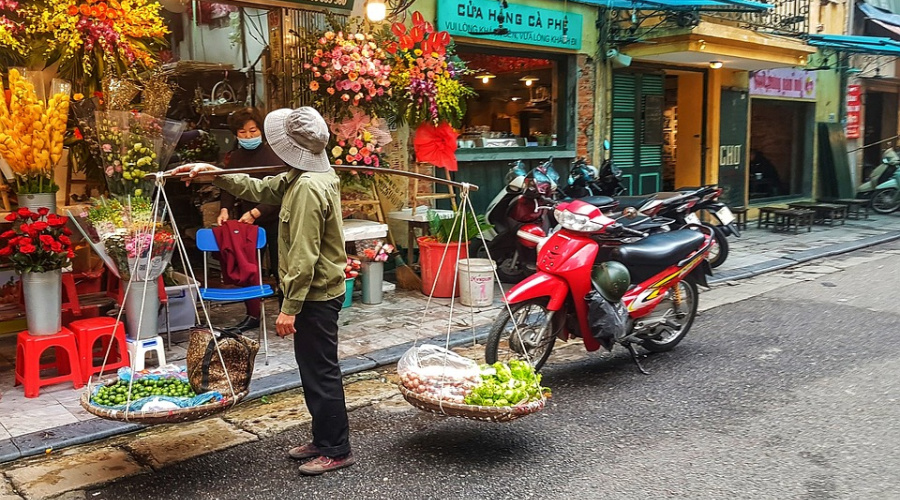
[[690, 130]]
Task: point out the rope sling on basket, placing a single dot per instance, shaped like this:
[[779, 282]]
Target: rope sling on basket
[[170, 394], [437, 380]]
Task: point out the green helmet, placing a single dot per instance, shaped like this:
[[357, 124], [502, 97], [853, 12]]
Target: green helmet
[[612, 280]]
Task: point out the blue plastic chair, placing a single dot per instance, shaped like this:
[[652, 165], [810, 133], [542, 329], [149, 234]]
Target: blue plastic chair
[[206, 242]]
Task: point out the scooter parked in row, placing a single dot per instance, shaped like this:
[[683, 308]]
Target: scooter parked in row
[[594, 187], [645, 291], [883, 185], [525, 205]]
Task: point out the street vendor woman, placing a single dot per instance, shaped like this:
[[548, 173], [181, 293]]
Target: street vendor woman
[[311, 267]]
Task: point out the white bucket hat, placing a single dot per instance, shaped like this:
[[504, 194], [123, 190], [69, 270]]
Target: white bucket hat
[[299, 137]]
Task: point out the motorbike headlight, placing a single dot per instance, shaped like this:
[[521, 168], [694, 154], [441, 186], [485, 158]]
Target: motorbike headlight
[[578, 223]]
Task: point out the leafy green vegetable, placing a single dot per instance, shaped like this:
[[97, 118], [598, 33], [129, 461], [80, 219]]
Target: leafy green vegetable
[[507, 385]]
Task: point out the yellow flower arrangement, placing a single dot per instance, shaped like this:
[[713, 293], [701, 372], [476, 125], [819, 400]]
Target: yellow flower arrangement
[[87, 36], [32, 132]]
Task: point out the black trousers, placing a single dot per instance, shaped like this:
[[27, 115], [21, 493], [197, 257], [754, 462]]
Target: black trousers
[[315, 348]]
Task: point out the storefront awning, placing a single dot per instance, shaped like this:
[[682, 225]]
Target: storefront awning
[[698, 5], [856, 44], [880, 22]]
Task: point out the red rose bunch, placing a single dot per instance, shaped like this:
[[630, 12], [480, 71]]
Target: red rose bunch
[[38, 241]]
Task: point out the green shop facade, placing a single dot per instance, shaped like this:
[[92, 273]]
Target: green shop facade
[[535, 80]]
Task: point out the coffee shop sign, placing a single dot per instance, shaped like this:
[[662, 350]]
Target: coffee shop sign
[[783, 82], [529, 25]]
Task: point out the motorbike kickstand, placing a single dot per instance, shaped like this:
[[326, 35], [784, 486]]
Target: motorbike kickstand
[[634, 356]]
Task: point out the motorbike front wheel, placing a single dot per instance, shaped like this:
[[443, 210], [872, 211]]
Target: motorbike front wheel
[[719, 252], [528, 334], [683, 300], [885, 201]]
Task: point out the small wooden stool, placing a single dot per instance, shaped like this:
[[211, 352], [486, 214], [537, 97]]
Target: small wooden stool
[[740, 217], [786, 219], [825, 213], [766, 217], [856, 209], [29, 349]]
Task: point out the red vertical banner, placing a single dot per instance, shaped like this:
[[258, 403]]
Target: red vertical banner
[[853, 111]]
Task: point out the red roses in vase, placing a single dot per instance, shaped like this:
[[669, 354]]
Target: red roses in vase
[[38, 242]]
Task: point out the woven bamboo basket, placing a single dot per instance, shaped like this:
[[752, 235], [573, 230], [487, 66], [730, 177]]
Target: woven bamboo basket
[[161, 417], [471, 412]]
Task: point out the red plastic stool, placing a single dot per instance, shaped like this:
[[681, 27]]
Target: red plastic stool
[[29, 349], [105, 330]]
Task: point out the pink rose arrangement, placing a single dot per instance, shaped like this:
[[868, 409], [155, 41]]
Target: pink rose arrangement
[[349, 70]]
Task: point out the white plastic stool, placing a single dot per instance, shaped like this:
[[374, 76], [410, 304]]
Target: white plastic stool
[[138, 350]]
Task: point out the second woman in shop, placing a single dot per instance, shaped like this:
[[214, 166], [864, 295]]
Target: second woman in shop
[[252, 151]]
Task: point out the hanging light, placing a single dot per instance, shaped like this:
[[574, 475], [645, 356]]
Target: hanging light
[[529, 80], [376, 10], [487, 77], [715, 64]]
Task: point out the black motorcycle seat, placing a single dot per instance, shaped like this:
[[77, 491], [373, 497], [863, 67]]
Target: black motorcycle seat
[[599, 201], [659, 250], [633, 201]]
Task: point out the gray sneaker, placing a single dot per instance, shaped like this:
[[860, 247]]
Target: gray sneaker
[[321, 465], [303, 452]]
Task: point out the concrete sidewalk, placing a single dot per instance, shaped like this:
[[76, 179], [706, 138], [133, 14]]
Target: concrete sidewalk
[[377, 335]]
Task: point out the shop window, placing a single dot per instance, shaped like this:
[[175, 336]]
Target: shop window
[[780, 161], [518, 101]]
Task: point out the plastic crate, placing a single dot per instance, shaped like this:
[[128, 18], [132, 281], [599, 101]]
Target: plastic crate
[[182, 305]]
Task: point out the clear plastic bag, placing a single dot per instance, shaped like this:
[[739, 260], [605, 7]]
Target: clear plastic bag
[[438, 373]]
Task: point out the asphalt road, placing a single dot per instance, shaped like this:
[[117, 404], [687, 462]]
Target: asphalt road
[[790, 394]]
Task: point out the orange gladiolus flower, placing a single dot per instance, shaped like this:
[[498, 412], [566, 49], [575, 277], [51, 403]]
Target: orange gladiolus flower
[[85, 10], [72, 11], [111, 14]]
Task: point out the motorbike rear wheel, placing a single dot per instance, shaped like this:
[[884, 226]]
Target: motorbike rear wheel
[[719, 252], [886, 201], [505, 270], [671, 337], [532, 341]]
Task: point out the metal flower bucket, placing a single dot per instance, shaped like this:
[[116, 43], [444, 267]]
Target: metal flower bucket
[[43, 301]]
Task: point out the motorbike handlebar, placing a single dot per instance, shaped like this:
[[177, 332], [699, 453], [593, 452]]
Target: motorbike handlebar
[[627, 230]]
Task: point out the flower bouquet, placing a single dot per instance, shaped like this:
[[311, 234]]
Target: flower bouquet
[[358, 141], [349, 70], [39, 247], [427, 75], [38, 241], [132, 145], [130, 237], [89, 36], [373, 250], [11, 47], [32, 130]]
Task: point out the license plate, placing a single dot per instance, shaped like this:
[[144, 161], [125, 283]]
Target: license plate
[[692, 219], [725, 216]]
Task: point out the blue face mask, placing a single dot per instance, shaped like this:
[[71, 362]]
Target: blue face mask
[[250, 143]]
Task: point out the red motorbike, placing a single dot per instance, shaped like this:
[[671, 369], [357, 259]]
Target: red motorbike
[[658, 300]]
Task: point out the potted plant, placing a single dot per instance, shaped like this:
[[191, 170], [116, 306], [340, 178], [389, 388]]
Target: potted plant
[[448, 242], [39, 249]]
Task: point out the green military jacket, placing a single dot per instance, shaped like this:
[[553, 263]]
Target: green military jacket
[[311, 253]]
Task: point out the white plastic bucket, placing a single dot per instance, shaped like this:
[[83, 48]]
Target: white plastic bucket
[[476, 282]]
